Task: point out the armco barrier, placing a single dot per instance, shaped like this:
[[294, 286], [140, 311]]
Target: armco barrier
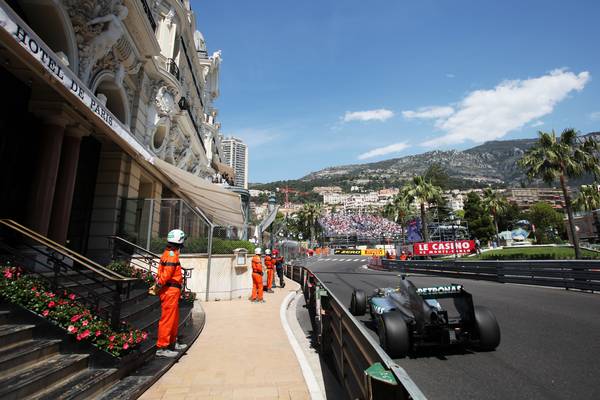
[[363, 368], [568, 274]]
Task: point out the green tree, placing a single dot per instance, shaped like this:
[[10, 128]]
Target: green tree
[[509, 216], [437, 175], [553, 159], [308, 218], [423, 193], [546, 220], [480, 223], [494, 204], [588, 198], [398, 210]]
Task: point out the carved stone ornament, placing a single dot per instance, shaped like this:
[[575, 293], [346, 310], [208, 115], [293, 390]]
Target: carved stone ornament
[[165, 101]]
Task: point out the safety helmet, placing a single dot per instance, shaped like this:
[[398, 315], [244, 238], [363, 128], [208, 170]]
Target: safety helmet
[[257, 250], [176, 236], [403, 252], [268, 251], [275, 252]]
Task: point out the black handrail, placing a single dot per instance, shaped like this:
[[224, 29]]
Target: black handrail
[[139, 257], [103, 292]]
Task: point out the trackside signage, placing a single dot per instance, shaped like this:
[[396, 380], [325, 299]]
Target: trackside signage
[[29, 41], [357, 252], [347, 252], [441, 248]]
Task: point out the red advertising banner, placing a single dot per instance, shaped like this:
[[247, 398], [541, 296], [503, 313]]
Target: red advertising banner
[[442, 248]]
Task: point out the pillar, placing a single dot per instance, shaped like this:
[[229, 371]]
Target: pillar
[[65, 183], [44, 182]]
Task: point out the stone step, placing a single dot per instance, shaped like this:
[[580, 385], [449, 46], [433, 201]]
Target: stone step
[[12, 334], [130, 387], [26, 353], [26, 382], [4, 316], [134, 311], [84, 385]]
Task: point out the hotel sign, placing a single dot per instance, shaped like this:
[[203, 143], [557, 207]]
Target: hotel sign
[[29, 41]]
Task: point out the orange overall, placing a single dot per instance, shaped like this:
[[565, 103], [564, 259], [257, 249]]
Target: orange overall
[[257, 284], [170, 279], [270, 264]]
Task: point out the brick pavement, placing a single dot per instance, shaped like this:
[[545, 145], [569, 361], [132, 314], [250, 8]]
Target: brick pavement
[[242, 353]]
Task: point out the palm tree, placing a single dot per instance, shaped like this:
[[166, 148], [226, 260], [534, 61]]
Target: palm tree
[[494, 204], [423, 192], [588, 198], [309, 217], [553, 158], [398, 211]]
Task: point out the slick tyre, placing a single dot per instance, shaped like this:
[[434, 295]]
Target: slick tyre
[[394, 336], [358, 303], [488, 329]]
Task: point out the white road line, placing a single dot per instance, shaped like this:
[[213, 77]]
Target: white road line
[[309, 376]]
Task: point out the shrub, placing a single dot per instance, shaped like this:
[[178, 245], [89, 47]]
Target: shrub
[[64, 310], [200, 245]]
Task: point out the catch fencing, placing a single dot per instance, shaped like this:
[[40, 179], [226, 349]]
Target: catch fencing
[[567, 274], [363, 368]]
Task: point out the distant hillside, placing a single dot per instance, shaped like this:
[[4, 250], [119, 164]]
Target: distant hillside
[[492, 163]]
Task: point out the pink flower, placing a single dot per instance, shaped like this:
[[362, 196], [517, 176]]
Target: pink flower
[[125, 346], [98, 333], [85, 322], [144, 335], [85, 334], [51, 304], [7, 274], [111, 338], [45, 313], [34, 289], [110, 346], [72, 329], [72, 296], [130, 340], [138, 340], [75, 318]]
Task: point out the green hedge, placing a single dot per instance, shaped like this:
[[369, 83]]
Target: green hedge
[[200, 245], [537, 254]]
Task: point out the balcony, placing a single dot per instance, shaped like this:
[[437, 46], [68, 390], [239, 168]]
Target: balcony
[[173, 68]]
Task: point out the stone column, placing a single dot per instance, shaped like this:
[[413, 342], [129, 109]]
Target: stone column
[[44, 182], [65, 183]]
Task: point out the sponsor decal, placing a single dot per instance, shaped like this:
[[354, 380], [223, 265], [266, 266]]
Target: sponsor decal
[[440, 290], [37, 49], [347, 252], [373, 252], [441, 248]]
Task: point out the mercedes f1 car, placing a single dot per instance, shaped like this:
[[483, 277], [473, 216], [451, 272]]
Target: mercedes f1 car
[[407, 318]]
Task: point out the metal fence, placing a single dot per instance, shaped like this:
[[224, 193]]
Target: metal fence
[[568, 274], [363, 368]]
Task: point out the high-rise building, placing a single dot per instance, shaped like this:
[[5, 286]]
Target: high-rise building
[[235, 153]]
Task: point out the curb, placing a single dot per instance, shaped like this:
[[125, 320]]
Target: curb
[[309, 377]]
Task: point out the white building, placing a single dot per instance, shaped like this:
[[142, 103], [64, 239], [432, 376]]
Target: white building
[[235, 154]]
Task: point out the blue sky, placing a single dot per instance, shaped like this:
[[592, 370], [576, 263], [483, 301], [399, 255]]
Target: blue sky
[[310, 84]]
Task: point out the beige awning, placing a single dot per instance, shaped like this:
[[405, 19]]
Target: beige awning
[[220, 205]]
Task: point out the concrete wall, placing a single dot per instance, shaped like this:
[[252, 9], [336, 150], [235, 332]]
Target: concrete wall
[[227, 280]]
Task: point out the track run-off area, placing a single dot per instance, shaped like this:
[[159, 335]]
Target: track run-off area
[[550, 347]]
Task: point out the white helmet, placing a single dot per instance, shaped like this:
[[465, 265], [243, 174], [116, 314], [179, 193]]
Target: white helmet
[[257, 250], [268, 251], [176, 236]]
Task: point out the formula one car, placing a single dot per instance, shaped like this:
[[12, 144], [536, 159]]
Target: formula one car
[[407, 318]]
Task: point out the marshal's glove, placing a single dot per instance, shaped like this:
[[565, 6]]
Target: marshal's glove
[[153, 291]]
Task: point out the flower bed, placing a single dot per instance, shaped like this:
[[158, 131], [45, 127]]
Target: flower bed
[[65, 311]]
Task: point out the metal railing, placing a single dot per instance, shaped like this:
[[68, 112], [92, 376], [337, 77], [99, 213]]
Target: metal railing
[[173, 68], [65, 270], [363, 368], [567, 274], [140, 258]]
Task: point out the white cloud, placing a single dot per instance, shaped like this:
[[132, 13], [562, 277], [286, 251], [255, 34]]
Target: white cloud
[[255, 137], [595, 115], [429, 112], [450, 76], [537, 123], [381, 151], [380, 114], [490, 114]]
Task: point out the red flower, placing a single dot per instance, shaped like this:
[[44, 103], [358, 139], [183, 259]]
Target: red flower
[[85, 322], [51, 304], [130, 340], [144, 335], [45, 313], [34, 288], [125, 346], [98, 333], [85, 334], [110, 346], [7, 273], [111, 338], [72, 329], [72, 296], [138, 340], [75, 318]]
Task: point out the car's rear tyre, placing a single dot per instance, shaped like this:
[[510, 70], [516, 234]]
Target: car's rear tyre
[[394, 336], [358, 303], [488, 329]]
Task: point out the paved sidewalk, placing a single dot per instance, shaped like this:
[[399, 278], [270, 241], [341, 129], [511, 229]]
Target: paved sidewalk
[[242, 353]]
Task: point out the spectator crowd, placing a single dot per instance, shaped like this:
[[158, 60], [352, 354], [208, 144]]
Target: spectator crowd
[[360, 225]]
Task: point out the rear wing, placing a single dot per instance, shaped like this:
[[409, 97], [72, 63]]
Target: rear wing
[[440, 292]]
